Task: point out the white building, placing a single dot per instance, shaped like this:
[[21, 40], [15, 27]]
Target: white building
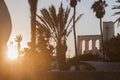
[[108, 32]]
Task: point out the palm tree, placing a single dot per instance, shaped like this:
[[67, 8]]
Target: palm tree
[[73, 4], [58, 27], [18, 39], [99, 8], [117, 13], [33, 9], [44, 48]]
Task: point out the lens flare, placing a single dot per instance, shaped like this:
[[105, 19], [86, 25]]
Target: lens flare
[[12, 53]]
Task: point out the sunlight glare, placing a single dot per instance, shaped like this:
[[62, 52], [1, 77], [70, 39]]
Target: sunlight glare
[[12, 53]]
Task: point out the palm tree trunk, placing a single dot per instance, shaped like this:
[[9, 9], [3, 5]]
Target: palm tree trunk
[[33, 9], [102, 39], [18, 47], [74, 31], [33, 30], [61, 52]]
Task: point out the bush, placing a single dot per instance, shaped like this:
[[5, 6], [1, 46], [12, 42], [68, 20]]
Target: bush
[[89, 57], [112, 48]]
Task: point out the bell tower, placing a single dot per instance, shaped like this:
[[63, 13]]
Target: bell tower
[[108, 30]]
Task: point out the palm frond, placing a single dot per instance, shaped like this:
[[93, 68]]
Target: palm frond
[[67, 12], [95, 6], [45, 25], [65, 20], [60, 28], [118, 22], [69, 32], [72, 25], [54, 17], [18, 38], [43, 21], [57, 22], [79, 17], [116, 7], [47, 30], [118, 1], [69, 22], [99, 8], [116, 13], [46, 16]]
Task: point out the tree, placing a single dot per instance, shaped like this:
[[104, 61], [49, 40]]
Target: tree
[[73, 4], [113, 52], [99, 8], [117, 13], [33, 9], [59, 28], [18, 39], [43, 40], [44, 47]]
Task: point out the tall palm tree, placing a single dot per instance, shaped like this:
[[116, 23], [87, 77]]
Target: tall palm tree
[[73, 4], [117, 13], [33, 9], [18, 39], [58, 27], [99, 8]]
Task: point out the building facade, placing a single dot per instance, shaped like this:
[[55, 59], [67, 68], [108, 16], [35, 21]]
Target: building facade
[[108, 32]]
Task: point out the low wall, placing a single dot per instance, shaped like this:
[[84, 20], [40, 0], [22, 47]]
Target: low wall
[[104, 71], [105, 66], [72, 76]]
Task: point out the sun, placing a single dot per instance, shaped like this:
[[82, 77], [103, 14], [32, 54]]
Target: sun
[[12, 53]]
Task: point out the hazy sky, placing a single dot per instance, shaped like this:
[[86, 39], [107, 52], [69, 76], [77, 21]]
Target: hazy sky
[[88, 24]]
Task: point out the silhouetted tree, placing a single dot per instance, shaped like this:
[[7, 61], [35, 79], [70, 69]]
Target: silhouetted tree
[[59, 28], [99, 9], [43, 40], [117, 13], [18, 39], [33, 9], [44, 47], [73, 4], [112, 48]]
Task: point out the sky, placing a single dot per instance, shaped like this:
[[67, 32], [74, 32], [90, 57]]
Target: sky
[[87, 25]]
